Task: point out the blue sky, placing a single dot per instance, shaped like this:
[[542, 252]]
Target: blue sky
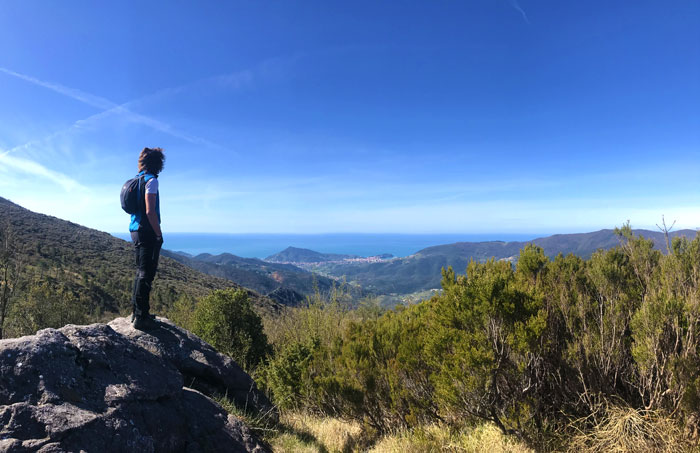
[[447, 116]]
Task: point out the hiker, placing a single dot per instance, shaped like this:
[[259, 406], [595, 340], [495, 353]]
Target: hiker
[[147, 237]]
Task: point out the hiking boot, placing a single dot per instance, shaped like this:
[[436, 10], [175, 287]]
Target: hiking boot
[[133, 317], [147, 322]]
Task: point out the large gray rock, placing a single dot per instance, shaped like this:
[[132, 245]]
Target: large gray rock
[[110, 388]]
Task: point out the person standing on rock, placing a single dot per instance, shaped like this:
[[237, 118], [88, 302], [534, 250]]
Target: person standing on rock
[[147, 237]]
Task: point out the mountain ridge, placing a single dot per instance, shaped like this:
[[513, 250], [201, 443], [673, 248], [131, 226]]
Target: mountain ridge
[[421, 270]]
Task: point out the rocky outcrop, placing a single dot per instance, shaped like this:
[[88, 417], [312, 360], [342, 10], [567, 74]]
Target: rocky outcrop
[[108, 387]]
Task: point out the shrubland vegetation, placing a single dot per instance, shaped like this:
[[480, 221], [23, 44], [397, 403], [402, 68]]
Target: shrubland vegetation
[[598, 354], [226, 320]]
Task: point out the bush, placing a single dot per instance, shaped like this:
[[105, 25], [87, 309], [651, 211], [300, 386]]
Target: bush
[[182, 311], [46, 305], [303, 339], [287, 374], [528, 349], [382, 373], [226, 320], [485, 330]]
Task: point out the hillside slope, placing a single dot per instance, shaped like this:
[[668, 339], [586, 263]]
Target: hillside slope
[[421, 271], [97, 265], [284, 283]]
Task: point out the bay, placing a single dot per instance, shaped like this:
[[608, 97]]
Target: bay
[[362, 244]]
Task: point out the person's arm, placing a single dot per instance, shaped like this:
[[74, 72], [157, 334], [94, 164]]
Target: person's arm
[[151, 214]]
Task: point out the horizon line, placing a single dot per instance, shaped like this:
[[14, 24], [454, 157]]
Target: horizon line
[[398, 233]]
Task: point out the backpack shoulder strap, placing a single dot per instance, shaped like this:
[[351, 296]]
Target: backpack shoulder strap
[[142, 194]]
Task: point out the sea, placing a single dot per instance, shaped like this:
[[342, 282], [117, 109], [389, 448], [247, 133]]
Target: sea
[[367, 244]]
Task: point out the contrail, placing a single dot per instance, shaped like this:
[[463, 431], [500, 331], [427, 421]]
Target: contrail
[[516, 6], [236, 79], [85, 98], [109, 107]]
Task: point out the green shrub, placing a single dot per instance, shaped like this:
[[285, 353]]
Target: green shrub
[[485, 329], [46, 305], [286, 374], [226, 320], [182, 311], [383, 373], [529, 348], [303, 339]]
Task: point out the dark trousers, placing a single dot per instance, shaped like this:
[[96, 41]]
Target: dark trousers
[[147, 251]]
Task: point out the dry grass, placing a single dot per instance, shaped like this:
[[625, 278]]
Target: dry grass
[[304, 433], [616, 430], [485, 438], [308, 433], [628, 430]]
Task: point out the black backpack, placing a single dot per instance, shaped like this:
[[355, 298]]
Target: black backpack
[[131, 201]]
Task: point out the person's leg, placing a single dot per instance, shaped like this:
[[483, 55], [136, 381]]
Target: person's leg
[[145, 272], [152, 268], [156, 256], [137, 260]]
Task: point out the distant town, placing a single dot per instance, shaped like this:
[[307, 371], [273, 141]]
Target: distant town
[[354, 260]]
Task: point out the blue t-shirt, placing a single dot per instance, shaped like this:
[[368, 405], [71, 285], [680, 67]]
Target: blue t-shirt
[[151, 187]]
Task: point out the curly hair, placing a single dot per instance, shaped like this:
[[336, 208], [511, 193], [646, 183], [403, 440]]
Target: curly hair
[[151, 160]]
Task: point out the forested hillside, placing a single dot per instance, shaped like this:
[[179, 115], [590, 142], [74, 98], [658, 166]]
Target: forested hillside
[[285, 283], [421, 271], [51, 261]]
